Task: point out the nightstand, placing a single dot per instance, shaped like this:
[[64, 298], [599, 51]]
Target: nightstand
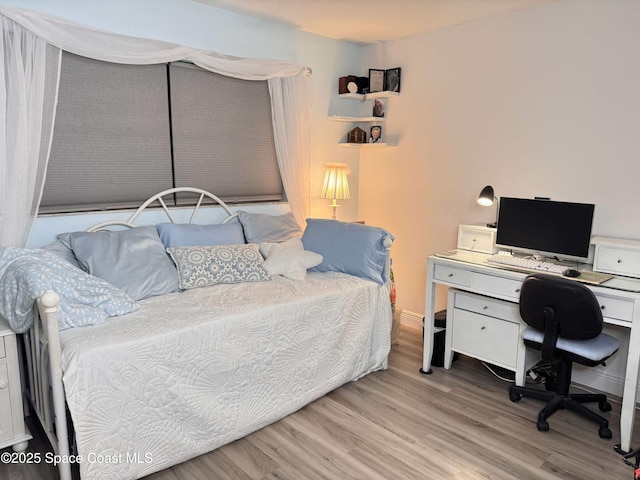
[[13, 431]]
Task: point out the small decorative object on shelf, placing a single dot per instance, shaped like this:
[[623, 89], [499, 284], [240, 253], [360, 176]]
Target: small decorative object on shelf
[[353, 84], [343, 84], [378, 108], [392, 80], [357, 135], [375, 134], [376, 80]]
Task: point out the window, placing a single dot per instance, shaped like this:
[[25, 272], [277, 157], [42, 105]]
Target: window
[[222, 135], [125, 132]]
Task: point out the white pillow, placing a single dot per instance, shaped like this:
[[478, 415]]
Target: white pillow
[[289, 259]]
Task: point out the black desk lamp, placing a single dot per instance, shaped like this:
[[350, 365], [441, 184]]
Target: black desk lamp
[[487, 198]]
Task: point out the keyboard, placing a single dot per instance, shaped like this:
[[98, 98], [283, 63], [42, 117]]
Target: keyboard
[[527, 264]]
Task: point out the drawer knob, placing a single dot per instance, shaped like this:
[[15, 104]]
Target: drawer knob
[[619, 260], [483, 327], [602, 307], [485, 307], [450, 275], [3, 384], [517, 290]]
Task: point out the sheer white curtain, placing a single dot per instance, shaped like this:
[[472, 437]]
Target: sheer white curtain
[[289, 86], [29, 76], [292, 136]]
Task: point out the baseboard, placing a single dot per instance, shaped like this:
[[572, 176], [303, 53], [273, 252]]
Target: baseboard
[[411, 319], [598, 381]]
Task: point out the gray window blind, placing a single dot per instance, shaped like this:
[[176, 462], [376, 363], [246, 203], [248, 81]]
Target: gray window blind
[[223, 136], [111, 144], [125, 132]]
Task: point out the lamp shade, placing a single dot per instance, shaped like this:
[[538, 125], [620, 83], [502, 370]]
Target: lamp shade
[[336, 183], [487, 196]]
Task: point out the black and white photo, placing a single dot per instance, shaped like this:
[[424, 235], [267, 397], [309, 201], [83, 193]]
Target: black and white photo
[[375, 135], [392, 80], [378, 108]]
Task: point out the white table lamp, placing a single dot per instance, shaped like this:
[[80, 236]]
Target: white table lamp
[[336, 184]]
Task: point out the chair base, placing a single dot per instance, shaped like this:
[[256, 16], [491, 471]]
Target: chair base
[[556, 401]]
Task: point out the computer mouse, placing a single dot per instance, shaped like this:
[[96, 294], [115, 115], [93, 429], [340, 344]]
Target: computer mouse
[[571, 273]]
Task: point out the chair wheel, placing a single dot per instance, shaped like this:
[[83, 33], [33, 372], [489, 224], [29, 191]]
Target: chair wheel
[[605, 433], [543, 426], [604, 406], [515, 397]]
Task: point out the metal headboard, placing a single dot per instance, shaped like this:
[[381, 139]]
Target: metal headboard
[[159, 197]]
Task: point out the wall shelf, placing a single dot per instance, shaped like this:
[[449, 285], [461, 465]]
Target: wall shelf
[[341, 118], [357, 133], [366, 145], [368, 96]]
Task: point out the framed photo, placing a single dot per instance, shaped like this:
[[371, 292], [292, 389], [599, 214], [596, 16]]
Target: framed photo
[[376, 80], [378, 108], [375, 134], [392, 80]]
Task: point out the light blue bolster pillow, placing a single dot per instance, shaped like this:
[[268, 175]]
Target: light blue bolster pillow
[[350, 248]]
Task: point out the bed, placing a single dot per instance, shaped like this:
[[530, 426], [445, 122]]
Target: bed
[[191, 370]]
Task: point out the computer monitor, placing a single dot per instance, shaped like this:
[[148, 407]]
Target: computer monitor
[[545, 227]]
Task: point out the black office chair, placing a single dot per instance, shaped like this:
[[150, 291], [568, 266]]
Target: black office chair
[[565, 323]]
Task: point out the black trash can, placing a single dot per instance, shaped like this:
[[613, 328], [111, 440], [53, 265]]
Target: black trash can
[[440, 322]]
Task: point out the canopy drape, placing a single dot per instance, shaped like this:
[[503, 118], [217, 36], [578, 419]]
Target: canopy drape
[[31, 48]]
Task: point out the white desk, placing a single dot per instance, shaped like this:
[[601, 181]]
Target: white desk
[[467, 271]]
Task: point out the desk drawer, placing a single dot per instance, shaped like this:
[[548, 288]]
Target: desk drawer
[[488, 306], [616, 308], [456, 276], [486, 338], [617, 260], [492, 285]]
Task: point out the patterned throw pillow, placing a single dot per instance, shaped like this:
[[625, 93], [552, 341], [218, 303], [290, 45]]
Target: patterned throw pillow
[[202, 266]]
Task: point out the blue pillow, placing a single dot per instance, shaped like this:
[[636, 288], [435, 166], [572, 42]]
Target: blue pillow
[[350, 248], [189, 235], [133, 260], [265, 228], [63, 250]]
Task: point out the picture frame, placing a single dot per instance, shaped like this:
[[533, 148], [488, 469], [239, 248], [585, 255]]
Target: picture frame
[[392, 79], [376, 80], [378, 108], [375, 134]]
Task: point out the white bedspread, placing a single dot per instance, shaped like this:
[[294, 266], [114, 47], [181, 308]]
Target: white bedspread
[[195, 370]]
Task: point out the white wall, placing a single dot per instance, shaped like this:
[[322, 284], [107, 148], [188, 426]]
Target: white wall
[[537, 102], [202, 26]]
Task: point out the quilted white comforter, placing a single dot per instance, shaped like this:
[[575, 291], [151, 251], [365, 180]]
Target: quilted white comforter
[[192, 371]]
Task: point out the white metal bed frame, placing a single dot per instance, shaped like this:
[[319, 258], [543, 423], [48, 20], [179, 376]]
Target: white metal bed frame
[[42, 340]]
